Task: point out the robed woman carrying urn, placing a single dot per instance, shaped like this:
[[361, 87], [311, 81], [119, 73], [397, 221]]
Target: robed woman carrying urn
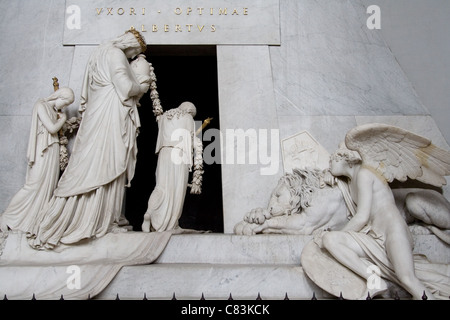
[[88, 200]]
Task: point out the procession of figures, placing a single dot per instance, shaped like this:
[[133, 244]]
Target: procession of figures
[[357, 220]]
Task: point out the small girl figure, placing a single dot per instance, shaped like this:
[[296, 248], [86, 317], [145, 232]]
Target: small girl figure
[[43, 162]]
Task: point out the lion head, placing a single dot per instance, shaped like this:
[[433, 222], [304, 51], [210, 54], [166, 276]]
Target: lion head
[[294, 191]]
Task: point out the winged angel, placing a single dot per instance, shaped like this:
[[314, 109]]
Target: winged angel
[[378, 234]]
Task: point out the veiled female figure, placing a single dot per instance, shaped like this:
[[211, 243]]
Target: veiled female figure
[[43, 162], [88, 200]]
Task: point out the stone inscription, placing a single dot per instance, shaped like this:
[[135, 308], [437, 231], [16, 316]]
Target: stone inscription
[[174, 21]]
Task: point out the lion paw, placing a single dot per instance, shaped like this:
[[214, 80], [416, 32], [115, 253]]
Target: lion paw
[[258, 216], [246, 229]]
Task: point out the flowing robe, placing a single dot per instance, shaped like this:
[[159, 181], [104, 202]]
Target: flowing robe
[[88, 200], [165, 204], [435, 276], [41, 177]]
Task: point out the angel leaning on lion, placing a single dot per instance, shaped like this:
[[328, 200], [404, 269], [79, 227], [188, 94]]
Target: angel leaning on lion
[[377, 233], [310, 199], [363, 222]]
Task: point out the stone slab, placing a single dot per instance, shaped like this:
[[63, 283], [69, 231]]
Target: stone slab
[[330, 63], [173, 22], [272, 249], [247, 103], [216, 265], [214, 281], [234, 249]]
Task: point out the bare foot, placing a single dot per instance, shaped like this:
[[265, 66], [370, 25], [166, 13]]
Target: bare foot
[[146, 224]]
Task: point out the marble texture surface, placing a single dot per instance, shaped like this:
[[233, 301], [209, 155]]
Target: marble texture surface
[[214, 281], [241, 265], [31, 54], [330, 63], [234, 249], [246, 100], [279, 249], [13, 160], [329, 131]]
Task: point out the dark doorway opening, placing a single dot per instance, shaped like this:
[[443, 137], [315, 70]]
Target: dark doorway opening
[[183, 73]]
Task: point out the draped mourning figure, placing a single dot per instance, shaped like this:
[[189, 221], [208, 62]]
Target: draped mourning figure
[[175, 144], [43, 162], [88, 199]]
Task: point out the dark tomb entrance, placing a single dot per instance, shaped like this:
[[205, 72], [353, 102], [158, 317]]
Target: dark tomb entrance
[[183, 73]]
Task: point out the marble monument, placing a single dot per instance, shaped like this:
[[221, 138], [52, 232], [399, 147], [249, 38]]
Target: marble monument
[[296, 72]]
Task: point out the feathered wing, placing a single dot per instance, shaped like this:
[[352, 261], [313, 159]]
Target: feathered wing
[[399, 154]]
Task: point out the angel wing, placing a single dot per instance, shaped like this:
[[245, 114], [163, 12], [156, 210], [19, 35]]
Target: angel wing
[[399, 154]]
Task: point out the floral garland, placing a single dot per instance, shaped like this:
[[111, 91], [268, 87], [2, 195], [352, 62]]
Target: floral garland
[[69, 128], [157, 109], [197, 176]]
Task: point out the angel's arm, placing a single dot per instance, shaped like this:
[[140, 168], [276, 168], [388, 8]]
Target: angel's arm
[[364, 182]]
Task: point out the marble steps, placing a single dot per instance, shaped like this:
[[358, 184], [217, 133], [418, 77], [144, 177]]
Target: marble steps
[[217, 265], [213, 281]]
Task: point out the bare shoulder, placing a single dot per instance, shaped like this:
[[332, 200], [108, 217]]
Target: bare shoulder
[[366, 175]]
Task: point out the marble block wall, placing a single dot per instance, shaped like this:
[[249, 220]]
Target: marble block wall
[[329, 74]]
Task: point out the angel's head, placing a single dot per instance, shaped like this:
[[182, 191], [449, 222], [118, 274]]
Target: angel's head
[[342, 158]]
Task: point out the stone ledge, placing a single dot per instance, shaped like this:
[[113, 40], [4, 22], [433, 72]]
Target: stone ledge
[[217, 265], [215, 282], [265, 249]]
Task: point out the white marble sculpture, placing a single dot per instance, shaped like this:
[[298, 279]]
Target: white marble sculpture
[[143, 71], [303, 151], [88, 199], [301, 203], [43, 162], [377, 235], [175, 145], [307, 200]]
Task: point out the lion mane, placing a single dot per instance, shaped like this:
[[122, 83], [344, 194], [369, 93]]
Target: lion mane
[[302, 183]]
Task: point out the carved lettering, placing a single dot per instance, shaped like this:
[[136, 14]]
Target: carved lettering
[[188, 11]]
